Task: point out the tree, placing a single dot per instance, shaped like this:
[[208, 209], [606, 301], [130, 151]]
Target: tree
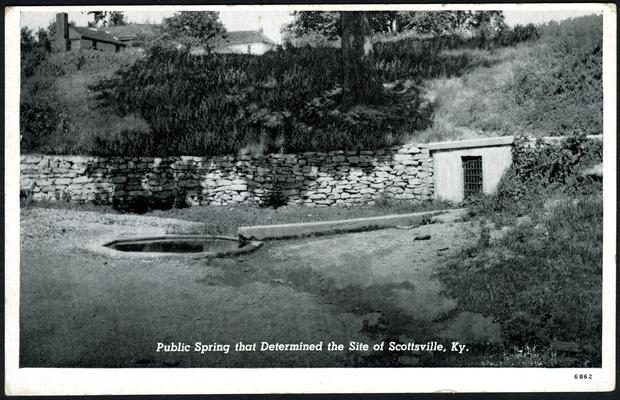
[[327, 23], [489, 24], [192, 27], [485, 23], [360, 85], [107, 18], [383, 21], [450, 22], [117, 18], [34, 49]]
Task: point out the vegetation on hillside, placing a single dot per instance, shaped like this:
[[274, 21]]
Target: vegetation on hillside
[[57, 108], [549, 87], [438, 88]]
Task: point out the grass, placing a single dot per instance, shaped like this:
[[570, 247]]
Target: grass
[[476, 104], [65, 81], [542, 281], [27, 203], [224, 220], [549, 87]]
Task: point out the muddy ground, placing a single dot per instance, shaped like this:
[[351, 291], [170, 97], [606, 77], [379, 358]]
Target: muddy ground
[[79, 309]]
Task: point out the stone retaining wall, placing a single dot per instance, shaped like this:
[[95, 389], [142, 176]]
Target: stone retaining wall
[[317, 179]]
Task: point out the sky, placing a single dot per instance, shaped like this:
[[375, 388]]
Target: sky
[[271, 20]]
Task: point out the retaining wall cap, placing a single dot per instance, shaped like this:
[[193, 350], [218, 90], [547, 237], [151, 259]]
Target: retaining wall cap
[[481, 142]]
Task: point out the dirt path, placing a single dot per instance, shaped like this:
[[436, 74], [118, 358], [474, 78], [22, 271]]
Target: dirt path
[[85, 310]]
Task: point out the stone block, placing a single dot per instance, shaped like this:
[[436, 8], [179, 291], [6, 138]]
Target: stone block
[[188, 183], [62, 181]]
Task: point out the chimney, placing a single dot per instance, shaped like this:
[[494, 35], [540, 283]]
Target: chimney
[[61, 40], [260, 30]]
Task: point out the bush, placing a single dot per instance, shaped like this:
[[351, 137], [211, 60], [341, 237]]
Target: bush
[[541, 170], [518, 34]]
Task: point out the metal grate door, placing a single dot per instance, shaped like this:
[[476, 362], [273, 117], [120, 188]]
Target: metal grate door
[[472, 175]]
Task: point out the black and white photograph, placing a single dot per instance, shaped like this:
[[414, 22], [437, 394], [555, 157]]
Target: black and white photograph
[[322, 189]]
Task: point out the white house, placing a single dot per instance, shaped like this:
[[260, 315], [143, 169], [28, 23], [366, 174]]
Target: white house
[[244, 42]]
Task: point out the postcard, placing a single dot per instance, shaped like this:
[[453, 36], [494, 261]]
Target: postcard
[[310, 198]]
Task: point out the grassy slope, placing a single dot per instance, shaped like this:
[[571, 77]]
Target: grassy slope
[[549, 87], [479, 103], [64, 80]]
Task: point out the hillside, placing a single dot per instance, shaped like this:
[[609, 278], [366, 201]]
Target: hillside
[[545, 88], [288, 100]]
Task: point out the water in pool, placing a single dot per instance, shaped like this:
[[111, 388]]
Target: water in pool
[[169, 245]]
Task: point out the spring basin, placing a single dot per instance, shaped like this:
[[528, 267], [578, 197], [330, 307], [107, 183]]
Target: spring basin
[[182, 245]]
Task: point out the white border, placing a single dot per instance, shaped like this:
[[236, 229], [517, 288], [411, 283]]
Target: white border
[[55, 381]]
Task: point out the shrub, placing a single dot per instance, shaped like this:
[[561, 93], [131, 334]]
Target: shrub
[[541, 170], [518, 34]]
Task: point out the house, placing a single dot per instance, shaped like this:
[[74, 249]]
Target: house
[[69, 37], [132, 35], [239, 42], [244, 42]]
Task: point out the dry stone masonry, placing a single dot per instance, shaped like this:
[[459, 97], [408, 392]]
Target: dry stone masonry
[[317, 179]]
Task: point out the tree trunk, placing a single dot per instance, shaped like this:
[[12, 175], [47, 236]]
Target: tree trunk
[[361, 84]]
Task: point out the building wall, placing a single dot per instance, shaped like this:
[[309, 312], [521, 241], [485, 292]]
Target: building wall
[[261, 48], [77, 44], [316, 179], [448, 169], [106, 46], [496, 153], [250, 48]]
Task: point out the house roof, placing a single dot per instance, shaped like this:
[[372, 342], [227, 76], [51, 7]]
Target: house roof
[[96, 34], [242, 37], [131, 31]]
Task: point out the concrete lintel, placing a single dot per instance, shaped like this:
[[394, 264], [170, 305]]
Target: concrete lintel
[[481, 142], [265, 232]]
